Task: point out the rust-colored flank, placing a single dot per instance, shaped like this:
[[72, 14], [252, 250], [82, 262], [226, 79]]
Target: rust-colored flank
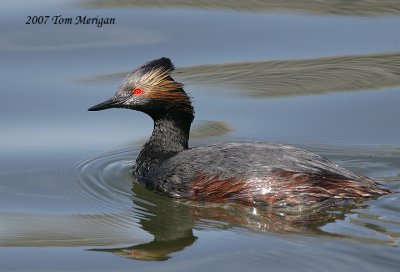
[[290, 188]]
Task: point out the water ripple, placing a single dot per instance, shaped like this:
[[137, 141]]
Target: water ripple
[[105, 181]]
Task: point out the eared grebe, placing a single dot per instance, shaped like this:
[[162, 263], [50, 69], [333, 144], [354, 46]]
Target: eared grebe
[[254, 173]]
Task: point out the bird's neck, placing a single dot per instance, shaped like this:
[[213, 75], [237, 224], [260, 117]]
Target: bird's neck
[[170, 136]]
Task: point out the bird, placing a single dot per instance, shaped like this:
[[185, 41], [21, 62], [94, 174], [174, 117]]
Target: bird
[[258, 173]]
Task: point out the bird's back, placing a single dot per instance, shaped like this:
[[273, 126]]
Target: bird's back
[[256, 173]]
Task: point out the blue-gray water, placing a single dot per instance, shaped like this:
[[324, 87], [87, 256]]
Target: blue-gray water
[[323, 76]]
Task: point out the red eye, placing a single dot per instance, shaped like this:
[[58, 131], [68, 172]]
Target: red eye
[[137, 91]]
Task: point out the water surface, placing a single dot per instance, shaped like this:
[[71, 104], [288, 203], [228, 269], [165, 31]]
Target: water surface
[[323, 76]]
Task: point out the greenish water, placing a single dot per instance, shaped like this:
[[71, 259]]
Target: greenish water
[[323, 76]]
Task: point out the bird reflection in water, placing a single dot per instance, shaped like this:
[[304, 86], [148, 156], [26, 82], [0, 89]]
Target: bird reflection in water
[[172, 222]]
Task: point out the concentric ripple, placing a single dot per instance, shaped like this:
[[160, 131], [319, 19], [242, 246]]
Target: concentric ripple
[[105, 181], [96, 207]]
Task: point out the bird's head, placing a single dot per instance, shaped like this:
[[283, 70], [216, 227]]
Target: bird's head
[[150, 89]]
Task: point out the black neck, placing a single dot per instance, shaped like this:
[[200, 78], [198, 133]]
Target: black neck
[[170, 136]]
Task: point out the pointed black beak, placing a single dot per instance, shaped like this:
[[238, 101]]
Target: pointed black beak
[[113, 102]]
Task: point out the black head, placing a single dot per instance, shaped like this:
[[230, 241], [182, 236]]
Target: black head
[[150, 89]]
